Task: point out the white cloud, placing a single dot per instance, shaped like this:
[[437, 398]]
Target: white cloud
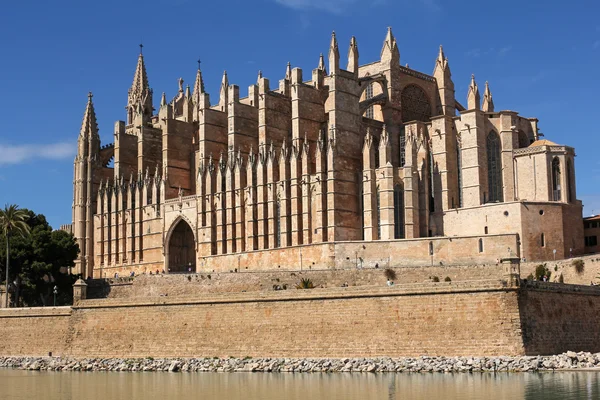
[[339, 6], [19, 154]]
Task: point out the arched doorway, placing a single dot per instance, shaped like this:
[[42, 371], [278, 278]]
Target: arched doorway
[[182, 249]]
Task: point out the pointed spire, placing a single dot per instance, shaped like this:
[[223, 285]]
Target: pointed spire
[[353, 57], [224, 91], [198, 85], [89, 126], [488, 103], [259, 76], [473, 98], [441, 56], [187, 92], [322, 63], [390, 51], [334, 55], [163, 100], [288, 71], [140, 78]]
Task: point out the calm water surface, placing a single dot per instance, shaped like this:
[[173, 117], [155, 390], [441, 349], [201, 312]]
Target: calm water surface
[[17, 385]]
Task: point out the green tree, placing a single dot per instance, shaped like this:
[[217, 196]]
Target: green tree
[[12, 222], [41, 261]]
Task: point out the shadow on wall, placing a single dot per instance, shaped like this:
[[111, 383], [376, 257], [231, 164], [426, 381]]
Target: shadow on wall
[[556, 318]]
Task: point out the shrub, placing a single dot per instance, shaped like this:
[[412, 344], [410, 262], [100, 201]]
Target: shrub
[[390, 274], [579, 266], [435, 279], [541, 271], [447, 279], [530, 277], [305, 283]]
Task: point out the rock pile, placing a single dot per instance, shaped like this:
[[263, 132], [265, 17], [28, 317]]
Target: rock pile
[[568, 360]]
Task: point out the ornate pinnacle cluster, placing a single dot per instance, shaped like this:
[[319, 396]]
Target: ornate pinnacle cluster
[[473, 98]]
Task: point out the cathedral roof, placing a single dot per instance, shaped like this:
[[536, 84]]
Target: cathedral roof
[[543, 143]]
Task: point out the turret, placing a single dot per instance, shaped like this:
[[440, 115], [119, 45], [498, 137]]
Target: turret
[[85, 188], [334, 56], [353, 57], [442, 75], [139, 102], [488, 103], [390, 53], [473, 98]]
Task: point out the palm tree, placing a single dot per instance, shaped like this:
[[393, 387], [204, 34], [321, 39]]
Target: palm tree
[[12, 221]]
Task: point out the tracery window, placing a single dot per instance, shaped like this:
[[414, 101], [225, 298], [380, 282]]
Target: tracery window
[[415, 104], [378, 205], [278, 223], [398, 212], [556, 195], [402, 143], [494, 163], [459, 173], [369, 95]]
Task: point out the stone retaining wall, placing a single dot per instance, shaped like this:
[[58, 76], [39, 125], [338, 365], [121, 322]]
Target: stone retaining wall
[[483, 318]]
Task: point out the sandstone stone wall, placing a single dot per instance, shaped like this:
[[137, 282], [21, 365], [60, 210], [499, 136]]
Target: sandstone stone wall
[[202, 283], [34, 331], [566, 268], [557, 317], [344, 322], [482, 318]]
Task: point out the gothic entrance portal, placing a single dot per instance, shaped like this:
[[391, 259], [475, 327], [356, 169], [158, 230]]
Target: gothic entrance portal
[[181, 256]]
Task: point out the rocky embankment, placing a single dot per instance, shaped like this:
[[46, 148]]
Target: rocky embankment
[[569, 360]]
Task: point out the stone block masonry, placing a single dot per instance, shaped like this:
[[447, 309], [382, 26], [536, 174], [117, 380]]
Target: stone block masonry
[[483, 318]]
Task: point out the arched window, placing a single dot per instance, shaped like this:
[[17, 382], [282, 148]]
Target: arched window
[[570, 191], [398, 212], [494, 164], [459, 173], [369, 95], [415, 104], [542, 240], [278, 223], [402, 144], [481, 245], [378, 205], [556, 195], [376, 150]]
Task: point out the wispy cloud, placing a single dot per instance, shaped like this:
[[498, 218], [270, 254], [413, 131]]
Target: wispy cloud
[[19, 154], [339, 6], [477, 52]]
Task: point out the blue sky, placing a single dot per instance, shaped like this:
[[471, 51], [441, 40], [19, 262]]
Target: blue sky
[[541, 58]]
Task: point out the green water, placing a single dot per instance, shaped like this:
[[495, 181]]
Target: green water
[[17, 385]]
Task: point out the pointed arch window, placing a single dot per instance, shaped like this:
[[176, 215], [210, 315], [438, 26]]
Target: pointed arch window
[[570, 191], [402, 144], [459, 173], [378, 205], [494, 164], [398, 212], [278, 223], [369, 95], [556, 177]]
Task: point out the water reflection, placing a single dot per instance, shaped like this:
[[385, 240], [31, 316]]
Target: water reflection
[[17, 385]]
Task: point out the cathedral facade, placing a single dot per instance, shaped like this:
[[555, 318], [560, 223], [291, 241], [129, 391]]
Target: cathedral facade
[[374, 164]]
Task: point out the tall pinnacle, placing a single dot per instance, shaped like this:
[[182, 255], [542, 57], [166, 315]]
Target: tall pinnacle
[[488, 103], [198, 85], [89, 126], [390, 50], [140, 78]]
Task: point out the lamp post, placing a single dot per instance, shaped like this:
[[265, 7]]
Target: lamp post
[[55, 293]]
